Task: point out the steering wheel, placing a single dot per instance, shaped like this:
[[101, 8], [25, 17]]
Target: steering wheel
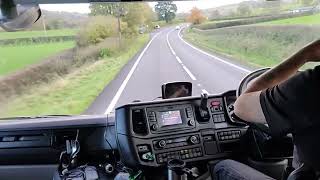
[[247, 79], [242, 87]]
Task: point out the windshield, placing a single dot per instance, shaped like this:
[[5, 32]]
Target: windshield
[[91, 58]]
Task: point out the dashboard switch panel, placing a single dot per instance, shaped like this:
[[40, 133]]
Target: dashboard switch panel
[[229, 135], [180, 154], [217, 118]]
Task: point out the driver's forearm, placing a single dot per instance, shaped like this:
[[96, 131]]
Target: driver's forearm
[[278, 74]]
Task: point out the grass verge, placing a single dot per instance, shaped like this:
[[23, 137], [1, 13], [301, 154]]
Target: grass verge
[[73, 93], [15, 57], [256, 46]]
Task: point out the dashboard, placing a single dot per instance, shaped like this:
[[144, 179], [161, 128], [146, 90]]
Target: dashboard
[[142, 134], [152, 133]]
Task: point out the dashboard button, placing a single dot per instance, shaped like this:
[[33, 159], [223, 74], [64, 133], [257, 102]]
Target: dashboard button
[[191, 123], [143, 148], [162, 143], [154, 127], [194, 140]]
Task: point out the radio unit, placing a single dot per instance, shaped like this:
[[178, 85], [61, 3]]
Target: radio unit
[[163, 119], [176, 142]]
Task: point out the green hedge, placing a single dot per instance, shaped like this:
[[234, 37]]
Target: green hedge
[[36, 40], [215, 25]]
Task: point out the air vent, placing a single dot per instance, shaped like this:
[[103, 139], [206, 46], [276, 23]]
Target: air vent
[[139, 122], [25, 141]]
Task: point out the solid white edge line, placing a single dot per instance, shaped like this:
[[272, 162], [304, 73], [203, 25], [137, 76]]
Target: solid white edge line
[[189, 73], [125, 81], [212, 56]]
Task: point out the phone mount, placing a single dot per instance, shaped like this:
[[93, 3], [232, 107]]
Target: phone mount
[[177, 170]]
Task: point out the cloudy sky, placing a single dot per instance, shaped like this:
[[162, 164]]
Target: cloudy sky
[[183, 6]]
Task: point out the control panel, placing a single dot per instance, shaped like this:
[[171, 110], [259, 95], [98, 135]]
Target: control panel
[[152, 133]]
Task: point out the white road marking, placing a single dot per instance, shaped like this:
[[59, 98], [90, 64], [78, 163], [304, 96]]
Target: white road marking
[[212, 56], [204, 91], [199, 85], [170, 47], [124, 83], [189, 73], [178, 59]]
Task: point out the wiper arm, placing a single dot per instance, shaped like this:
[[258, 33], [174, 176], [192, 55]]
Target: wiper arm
[[35, 117]]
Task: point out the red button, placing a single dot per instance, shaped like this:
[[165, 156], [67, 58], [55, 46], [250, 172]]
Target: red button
[[215, 103]]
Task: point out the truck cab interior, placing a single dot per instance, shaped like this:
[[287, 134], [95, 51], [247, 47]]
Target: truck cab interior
[[151, 140], [177, 136]]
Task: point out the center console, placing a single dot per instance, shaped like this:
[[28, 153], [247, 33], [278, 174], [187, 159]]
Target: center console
[[152, 133]]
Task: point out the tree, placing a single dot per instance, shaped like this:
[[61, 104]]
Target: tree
[[244, 9], [132, 15], [166, 11], [105, 8], [138, 14], [196, 16]]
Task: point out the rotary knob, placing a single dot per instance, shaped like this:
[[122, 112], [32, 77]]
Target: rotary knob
[[194, 140], [162, 143], [191, 122], [154, 127]]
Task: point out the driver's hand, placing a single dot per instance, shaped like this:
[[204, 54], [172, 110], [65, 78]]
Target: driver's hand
[[311, 52]]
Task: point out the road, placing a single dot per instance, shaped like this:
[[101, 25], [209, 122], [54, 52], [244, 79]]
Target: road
[[166, 58]]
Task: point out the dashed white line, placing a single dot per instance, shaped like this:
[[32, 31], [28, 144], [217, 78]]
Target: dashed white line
[[212, 56], [124, 83], [178, 59], [189, 73]]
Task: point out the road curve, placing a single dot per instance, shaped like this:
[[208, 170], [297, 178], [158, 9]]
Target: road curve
[[166, 58]]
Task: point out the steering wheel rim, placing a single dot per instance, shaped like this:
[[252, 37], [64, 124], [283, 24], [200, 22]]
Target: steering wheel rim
[[241, 88], [248, 78]]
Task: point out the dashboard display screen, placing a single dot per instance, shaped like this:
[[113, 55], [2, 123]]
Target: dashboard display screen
[[168, 118]]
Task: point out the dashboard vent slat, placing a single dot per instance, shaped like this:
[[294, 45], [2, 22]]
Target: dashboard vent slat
[[139, 122]]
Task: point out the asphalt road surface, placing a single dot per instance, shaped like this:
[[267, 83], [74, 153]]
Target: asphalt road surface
[[166, 58]]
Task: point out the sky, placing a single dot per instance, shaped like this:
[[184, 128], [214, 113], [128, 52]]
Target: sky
[[183, 6]]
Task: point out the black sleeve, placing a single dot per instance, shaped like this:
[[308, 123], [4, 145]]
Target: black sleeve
[[292, 106]]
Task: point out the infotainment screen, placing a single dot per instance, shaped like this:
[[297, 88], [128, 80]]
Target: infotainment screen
[[168, 118]]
